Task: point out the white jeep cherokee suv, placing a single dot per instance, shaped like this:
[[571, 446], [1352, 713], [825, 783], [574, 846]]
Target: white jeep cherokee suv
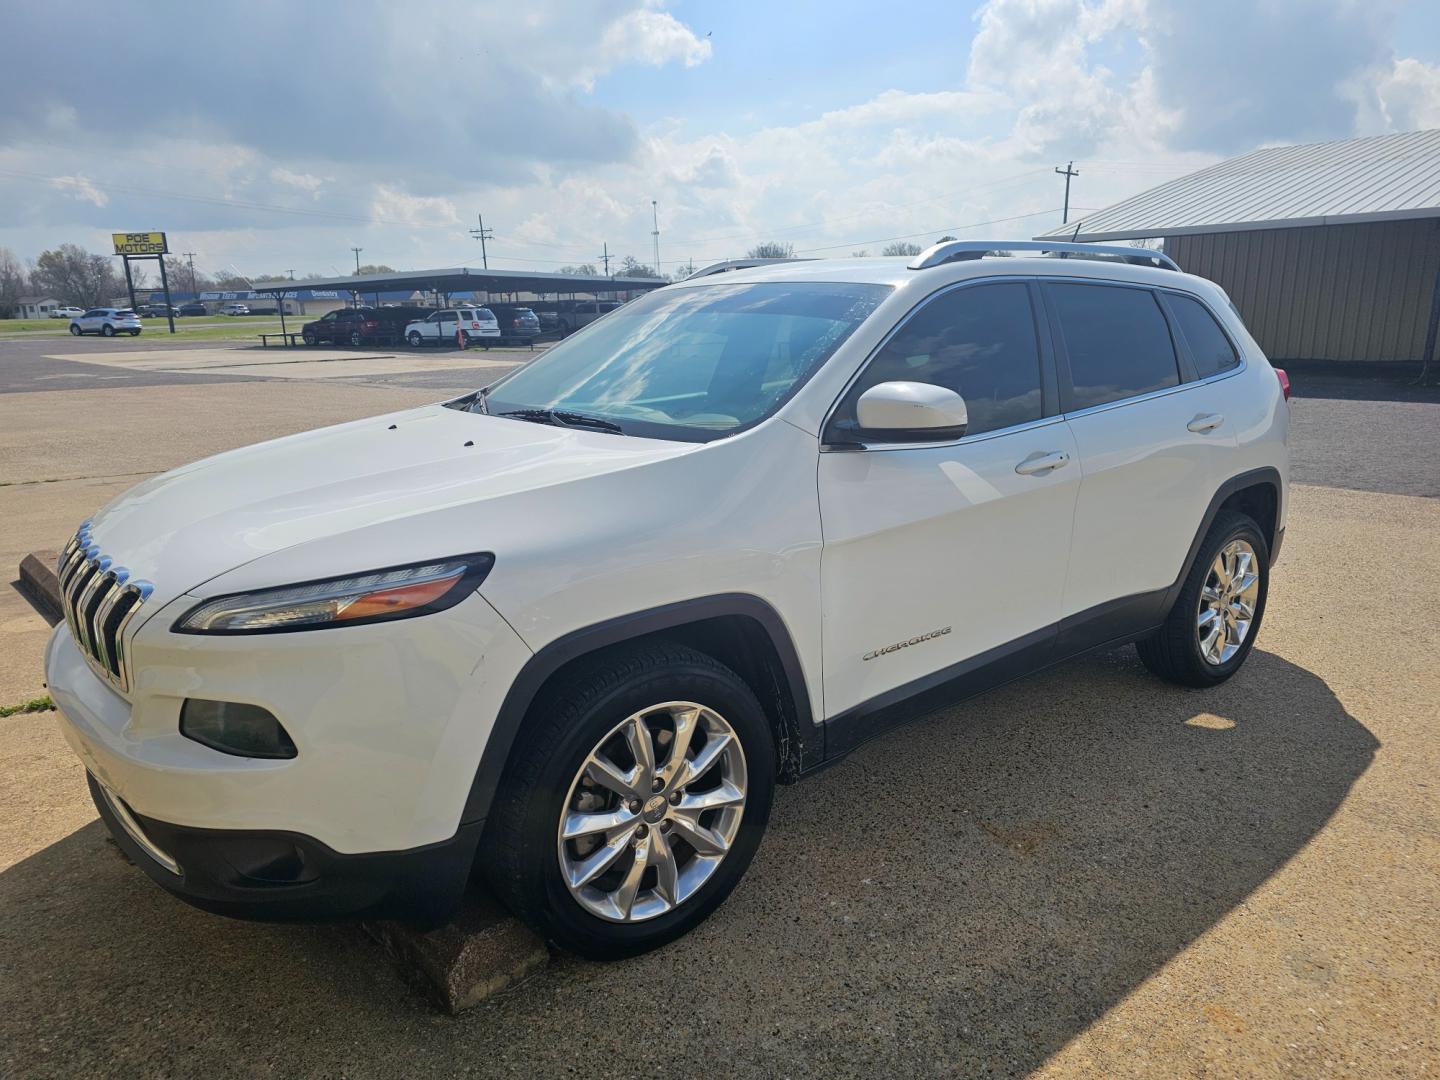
[[570, 630]]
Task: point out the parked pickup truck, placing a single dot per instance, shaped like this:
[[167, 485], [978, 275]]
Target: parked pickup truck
[[462, 325]]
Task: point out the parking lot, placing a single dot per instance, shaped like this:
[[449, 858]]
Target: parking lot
[[1088, 873]]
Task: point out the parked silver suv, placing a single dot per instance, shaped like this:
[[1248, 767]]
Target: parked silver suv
[[107, 322]]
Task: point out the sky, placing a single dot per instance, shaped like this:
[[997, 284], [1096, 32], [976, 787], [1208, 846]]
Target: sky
[[269, 136]]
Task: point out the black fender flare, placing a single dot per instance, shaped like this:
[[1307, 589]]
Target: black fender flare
[[616, 631], [1268, 475]]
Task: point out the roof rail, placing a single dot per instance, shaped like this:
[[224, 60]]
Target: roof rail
[[737, 264], [961, 250]]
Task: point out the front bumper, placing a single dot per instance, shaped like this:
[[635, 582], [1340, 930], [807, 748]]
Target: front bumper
[[390, 722], [272, 875]]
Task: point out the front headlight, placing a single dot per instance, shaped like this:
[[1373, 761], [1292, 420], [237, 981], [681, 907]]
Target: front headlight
[[399, 592]]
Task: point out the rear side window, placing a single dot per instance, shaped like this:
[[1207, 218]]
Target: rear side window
[[979, 342], [1209, 346], [1118, 342]]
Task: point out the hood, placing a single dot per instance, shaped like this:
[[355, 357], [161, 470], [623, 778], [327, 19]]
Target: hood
[[182, 528]]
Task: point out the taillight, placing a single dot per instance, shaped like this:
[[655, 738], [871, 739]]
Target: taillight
[[514, 322], [1284, 382]]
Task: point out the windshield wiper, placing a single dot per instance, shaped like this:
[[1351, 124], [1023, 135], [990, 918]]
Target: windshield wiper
[[563, 418]]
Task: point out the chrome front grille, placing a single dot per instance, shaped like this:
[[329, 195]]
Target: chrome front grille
[[99, 599]]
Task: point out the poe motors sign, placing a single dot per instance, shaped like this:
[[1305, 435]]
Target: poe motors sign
[[140, 243]]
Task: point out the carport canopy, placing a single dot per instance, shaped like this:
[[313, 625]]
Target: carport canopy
[[465, 279]]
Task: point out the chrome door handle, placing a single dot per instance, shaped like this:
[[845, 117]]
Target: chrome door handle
[[1205, 422], [1040, 462]]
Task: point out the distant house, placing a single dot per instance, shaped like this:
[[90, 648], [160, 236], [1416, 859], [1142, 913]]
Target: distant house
[[35, 307]]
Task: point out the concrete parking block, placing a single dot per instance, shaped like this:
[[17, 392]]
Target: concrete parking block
[[480, 952], [40, 586]]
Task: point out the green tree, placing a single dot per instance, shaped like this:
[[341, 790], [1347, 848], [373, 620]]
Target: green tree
[[771, 249], [76, 276]]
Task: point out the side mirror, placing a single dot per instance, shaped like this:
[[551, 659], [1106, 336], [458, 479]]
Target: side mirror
[[911, 412]]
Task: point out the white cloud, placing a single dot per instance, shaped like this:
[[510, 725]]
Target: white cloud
[[400, 208], [81, 187], [303, 181], [653, 38], [1409, 95]]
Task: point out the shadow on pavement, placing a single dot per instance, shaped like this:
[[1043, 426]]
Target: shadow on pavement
[[965, 895]]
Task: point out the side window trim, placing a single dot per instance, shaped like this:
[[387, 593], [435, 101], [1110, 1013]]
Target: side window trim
[[1179, 334], [1067, 384], [1189, 373], [1049, 399]]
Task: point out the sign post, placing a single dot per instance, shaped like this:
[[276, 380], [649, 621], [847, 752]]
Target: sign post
[[145, 245]]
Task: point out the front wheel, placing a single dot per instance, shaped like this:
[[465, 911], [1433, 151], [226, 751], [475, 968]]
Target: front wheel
[[107, 330], [1211, 628], [134, 333], [75, 330], [415, 339], [356, 339], [634, 801]]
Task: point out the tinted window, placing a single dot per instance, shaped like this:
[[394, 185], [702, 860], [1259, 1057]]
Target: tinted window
[[485, 313], [979, 342], [1209, 346], [1118, 342]]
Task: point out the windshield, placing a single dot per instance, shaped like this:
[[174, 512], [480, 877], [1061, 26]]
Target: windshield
[[693, 364]]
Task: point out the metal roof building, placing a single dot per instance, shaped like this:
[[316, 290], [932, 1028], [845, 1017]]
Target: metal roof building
[[1331, 251]]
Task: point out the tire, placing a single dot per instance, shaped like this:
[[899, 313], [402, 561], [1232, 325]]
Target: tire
[[1177, 650], [309, 338], [356, 339], [107, 330], [76, 330], [415, 339], [134, 333], [464, 340], [548, 777]]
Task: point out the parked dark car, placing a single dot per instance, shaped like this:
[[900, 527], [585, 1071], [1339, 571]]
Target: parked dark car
[[517, 322], [156, 311], [195, 308], [361, 326]]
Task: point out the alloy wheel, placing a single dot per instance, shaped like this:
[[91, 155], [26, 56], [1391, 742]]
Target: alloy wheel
[[652, 812], [1227, 602]]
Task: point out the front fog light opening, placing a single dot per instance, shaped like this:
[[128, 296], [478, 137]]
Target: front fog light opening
[[235, 728]]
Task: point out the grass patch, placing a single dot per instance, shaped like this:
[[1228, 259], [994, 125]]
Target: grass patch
[[34, 705]]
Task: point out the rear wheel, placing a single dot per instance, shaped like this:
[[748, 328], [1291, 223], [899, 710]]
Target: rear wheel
[[356, 339], [635, 799], [107, 330], [1211, 629], [134, 333], [308, 336]]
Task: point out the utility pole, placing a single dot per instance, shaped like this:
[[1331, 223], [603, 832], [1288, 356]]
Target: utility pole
[[482, 234], [191, 256], [655, 232], [1068, 171], [605, 257], [357, 258]]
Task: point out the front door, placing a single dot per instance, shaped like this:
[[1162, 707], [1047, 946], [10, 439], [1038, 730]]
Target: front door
[[940, 558]]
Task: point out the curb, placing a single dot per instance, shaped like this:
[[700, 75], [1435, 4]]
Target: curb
[[479, 952]]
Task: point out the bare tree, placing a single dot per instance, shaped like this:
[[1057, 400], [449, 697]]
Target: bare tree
[[771, 249], [863, 253], [901, 247], [946, 239], [13, 282], [633, 267], [75, 276], [375, 268], [583, 270]]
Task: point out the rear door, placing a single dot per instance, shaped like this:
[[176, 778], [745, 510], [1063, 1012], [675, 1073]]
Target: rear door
[[1152, 446]]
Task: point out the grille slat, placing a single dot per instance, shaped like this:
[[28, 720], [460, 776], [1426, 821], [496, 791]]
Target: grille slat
[[99, 600]]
